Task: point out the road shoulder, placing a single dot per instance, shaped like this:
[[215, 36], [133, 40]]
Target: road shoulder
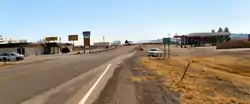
[[119, 89], [132, 85]]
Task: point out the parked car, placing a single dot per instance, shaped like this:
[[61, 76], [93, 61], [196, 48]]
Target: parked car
[[154, 52], [11, 56]]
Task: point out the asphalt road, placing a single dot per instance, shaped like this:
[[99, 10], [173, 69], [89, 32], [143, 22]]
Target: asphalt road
[[61, 81]]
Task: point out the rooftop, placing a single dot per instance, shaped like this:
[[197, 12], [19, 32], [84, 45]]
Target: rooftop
[[206, 34]]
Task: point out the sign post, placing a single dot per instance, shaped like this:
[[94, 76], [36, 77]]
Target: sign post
[[86, 39], [169, 42], [166, 41], [73, 38]]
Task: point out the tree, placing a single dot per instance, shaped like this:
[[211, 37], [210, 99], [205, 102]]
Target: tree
[[213, 31], [220, 30], [126, 41], [41, 41], [226, 30]]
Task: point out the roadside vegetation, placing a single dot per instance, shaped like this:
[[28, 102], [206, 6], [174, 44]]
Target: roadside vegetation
[[217, 79], [4, 64]]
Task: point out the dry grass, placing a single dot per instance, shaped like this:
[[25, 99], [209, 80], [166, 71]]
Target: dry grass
[[140, 78], [4, 64], [214, 80]]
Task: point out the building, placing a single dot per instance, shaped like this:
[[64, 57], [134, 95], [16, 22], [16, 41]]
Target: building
[[28, 49], [98, 44], [116, 43], [203, 38]]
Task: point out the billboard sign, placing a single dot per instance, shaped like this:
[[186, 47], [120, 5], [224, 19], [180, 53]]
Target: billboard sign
[[51, 38], [86, 33], [73, 37]]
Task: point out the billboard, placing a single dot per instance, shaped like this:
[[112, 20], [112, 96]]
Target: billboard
[[51, 38], [73, 37], [86, 33]]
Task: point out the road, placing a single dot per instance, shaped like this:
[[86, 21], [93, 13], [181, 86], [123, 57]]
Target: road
[[60, 81]]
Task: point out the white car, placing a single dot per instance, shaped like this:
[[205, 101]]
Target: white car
[[11, 56], [155, 52]]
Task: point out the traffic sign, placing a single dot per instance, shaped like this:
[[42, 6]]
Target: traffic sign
[[166, 40]]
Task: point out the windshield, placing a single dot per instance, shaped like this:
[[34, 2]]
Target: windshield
[[153, 50], [14, 53]]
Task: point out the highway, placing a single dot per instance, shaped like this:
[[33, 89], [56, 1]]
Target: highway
[[65, 80]]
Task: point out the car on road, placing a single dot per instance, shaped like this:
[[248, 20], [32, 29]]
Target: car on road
[[11, 56], [154, 52], [141, 48]]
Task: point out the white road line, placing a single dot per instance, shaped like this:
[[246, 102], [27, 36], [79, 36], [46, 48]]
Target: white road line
[[84, 99]]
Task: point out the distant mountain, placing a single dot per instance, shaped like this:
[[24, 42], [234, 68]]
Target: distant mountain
[[155, 41], [234, 36]]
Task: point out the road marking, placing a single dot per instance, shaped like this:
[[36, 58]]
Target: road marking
[[84, 99]]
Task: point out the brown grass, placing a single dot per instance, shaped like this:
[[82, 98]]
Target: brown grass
[[214, 80], [4, 64]]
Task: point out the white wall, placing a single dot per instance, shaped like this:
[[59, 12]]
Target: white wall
[[34, 50]]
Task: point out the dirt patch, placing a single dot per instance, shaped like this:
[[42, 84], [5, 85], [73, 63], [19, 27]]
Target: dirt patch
[[151, 90], [120, 88]]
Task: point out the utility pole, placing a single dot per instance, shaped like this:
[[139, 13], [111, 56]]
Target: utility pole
[[103, 38], [1, 36], [169, 46]]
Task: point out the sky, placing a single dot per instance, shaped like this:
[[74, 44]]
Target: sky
[[134, 20]]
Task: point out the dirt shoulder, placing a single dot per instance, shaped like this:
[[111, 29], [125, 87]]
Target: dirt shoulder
[[131, 84]]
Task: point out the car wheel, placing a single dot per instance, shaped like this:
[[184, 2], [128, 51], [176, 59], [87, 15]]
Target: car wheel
[[4, 59], [17, 59], [157, 55], [160, 55]]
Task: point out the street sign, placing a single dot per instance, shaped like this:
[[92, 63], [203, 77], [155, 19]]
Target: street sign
[[50, 38], [86, 33], [166, 40], [73, 37], [86, 39]]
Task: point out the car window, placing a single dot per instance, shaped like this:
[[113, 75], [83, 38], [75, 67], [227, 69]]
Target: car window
[[12, 54]]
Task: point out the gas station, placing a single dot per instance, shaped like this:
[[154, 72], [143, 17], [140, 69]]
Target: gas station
[[200, 39]]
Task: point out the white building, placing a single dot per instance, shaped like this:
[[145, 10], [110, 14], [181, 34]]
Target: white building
[[101, 43], [116, 43]]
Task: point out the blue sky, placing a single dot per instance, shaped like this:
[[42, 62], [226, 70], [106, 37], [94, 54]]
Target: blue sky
[[120, 19]]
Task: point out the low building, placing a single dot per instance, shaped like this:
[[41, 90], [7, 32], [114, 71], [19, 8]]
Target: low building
[[28, 49], [101, 44], [203, 38], [116, 43]]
